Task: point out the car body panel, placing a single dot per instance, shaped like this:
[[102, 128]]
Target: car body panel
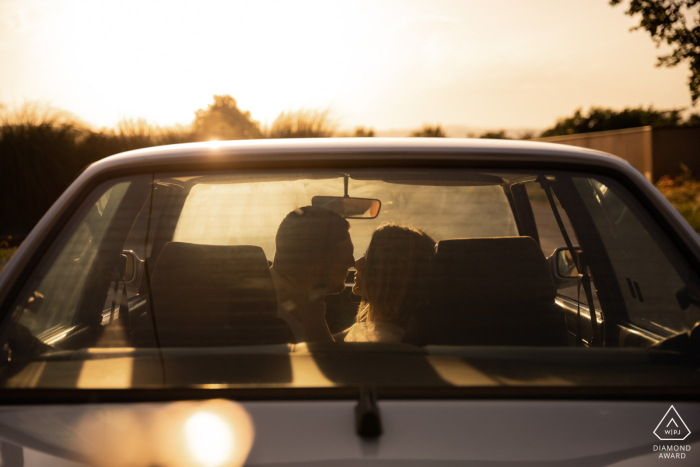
[[416, 433]]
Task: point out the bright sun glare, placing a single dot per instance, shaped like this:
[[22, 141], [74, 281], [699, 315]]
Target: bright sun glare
[[210, 439]]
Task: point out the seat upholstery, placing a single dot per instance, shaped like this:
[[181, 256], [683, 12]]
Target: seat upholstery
[[215, 295], [489, 291]]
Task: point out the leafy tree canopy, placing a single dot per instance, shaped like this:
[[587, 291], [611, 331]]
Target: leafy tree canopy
[[668, 21], [429, 132], [223, 120], [603, 119]]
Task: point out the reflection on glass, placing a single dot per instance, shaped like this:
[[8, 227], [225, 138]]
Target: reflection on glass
[[349, 207], [566, 266]]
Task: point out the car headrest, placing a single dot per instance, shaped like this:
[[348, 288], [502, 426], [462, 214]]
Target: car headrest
[[213, 280], [491, 272]]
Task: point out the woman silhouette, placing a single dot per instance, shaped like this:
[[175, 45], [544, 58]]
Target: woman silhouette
[[391, 280]]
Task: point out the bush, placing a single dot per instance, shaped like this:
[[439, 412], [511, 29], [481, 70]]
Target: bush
[[494, 135], [39, 156], [683, 192], [429, 132], [304, 123]]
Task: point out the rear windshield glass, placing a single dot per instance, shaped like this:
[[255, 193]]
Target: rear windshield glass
[[353, 277]]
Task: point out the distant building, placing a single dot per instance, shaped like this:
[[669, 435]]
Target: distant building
[[654, 151]]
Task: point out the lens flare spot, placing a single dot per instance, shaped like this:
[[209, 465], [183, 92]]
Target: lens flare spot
[[214, 144], [209, 438]]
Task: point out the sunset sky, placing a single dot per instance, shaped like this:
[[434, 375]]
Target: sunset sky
[[384, 64]]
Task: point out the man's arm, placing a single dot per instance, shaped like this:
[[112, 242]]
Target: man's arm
[[311, 311]]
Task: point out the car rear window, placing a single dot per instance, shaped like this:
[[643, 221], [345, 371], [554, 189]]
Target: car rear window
[[386, 277]]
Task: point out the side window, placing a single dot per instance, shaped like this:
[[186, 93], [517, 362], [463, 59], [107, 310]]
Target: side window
[[54, 296], [651, 272], [551, 237]]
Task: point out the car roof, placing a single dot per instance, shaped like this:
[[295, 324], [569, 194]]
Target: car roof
[[356, 149]]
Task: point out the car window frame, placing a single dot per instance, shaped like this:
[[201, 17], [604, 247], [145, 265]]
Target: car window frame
[[64, 209], [36, 245]]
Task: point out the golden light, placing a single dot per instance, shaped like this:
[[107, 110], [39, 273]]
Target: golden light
[[214, 144], [216, 433], [209, 439]]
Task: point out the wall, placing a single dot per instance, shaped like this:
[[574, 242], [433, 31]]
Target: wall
[[632, 144]]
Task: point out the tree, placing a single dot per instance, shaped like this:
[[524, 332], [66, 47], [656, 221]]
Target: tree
[[223, 120], [304, 123], [429, 132], [494, 135], [603, 119], [667, 21]]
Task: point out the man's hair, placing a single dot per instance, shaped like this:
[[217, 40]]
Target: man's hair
[[308, 235]]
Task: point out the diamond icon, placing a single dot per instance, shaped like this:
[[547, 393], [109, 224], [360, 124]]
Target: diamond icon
[[672, 427]]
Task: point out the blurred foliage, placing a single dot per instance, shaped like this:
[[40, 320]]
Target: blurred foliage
[[494, 135], [604, 119], [40, 153], [666, 21], [42, 149], [362, 132], [223, 120], [526, 134], [304, 123], [429, 132], [5, 255], [683, 191]]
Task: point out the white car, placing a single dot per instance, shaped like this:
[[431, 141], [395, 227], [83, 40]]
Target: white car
[[157, 314]]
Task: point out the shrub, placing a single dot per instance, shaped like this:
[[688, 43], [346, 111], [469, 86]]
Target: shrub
[[683, 192], [39, 156], [429, 132], [304, 123]]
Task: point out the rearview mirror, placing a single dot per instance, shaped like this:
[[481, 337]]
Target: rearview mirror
[[350, 208], [565, 264]]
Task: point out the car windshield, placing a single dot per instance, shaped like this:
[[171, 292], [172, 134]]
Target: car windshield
[[382, 277]]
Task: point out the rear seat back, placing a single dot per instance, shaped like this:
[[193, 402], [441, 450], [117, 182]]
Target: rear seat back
[[489, 291], [214, 295]]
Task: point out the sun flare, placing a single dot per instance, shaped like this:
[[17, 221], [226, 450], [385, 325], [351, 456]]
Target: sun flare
[[210, 439]]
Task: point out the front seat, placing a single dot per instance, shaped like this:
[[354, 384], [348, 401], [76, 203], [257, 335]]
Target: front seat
[[214, 295], [489, 291]]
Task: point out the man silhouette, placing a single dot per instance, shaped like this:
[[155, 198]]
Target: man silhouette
[[313, 253]]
